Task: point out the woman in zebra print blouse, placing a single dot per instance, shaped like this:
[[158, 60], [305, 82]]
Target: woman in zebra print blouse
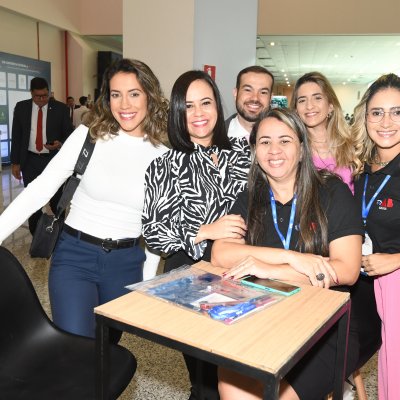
[[191, 188]]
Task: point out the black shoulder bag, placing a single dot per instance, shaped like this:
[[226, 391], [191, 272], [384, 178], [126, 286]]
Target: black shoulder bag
[[49, 227]]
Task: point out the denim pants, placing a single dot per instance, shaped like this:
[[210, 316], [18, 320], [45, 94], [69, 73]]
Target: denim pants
[[83, 276]]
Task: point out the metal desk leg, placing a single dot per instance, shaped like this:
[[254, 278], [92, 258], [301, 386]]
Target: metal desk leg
[[199, 379], [102, 359], [341, 354], [271, 388]]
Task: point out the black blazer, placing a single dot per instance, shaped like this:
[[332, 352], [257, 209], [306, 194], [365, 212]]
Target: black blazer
[[58, 127]]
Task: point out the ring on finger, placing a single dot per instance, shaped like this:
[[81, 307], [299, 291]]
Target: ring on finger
[[320, 276]]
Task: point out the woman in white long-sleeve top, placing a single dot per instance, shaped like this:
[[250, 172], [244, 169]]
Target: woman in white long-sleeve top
[[97, 254]]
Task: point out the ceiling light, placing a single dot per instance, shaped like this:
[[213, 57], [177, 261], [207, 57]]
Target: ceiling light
[[282, 70], [272, 44], [336, 55], [344, 83]]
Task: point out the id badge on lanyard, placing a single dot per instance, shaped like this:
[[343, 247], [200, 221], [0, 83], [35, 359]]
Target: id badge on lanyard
[[285, 241], [367, 247]]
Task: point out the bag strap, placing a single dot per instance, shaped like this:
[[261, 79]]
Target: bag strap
[[84, 156], [79, 169]]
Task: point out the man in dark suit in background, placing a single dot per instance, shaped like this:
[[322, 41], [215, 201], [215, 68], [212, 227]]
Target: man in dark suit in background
[[39, 129], [71, 108]]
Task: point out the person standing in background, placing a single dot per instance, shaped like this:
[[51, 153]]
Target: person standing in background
[[252, 97], [71, 107], [80, 112], [39, 129]]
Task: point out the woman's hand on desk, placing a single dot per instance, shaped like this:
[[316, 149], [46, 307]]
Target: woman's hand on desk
[[248, 266], [229, 226], [312, 265], [284, 272]]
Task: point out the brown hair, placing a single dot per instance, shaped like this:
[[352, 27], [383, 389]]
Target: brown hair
[[101, 122]]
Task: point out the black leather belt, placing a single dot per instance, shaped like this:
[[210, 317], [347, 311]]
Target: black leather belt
[[106, 244], [39, 154]]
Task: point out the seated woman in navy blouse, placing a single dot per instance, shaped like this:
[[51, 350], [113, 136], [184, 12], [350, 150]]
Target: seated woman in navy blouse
[[190, 189], [303, 226]]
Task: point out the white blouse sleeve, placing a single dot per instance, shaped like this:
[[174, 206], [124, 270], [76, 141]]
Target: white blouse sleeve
[[40, 191]]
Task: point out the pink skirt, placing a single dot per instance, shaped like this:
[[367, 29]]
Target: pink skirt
[[387, 294]]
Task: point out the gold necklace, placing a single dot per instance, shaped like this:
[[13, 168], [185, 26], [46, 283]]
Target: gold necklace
[[380, 163]]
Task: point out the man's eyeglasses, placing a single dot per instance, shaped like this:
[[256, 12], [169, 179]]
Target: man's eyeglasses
[[377, 114], [40, 96]]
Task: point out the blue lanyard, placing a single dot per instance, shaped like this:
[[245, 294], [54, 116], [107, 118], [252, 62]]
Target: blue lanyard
[[366, 208], [285, 242]]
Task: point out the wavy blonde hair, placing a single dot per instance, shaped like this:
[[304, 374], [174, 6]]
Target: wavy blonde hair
[[359, 128], [346, 149], [101, 122]]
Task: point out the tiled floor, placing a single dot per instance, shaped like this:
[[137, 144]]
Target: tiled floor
[[161, 373]]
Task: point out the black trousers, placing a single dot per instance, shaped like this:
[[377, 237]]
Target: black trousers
[[209, 377], [34, 166]]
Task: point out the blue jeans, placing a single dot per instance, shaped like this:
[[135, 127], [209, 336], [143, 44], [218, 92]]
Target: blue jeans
[[83, 276]]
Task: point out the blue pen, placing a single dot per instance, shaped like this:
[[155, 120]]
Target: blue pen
[[231, 312]]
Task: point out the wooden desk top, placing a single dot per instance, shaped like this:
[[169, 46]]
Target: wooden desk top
[[265, 340]]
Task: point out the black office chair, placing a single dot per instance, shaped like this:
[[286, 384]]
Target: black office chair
[[40, 361]]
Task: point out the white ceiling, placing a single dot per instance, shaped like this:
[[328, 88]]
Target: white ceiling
[[343, 59]]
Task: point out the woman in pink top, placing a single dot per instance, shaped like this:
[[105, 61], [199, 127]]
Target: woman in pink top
[[337, 150], [333, 147]]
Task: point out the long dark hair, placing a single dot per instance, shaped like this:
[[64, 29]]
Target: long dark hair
[[313, 230], [178, 134], [101, 122]]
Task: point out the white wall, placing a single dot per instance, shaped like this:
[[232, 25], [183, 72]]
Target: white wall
[[83, 65], [60, 13], [18, 35], [349, 96], [225, 36], [186, 34], [100, 17], [160, 33], [87, 17]]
